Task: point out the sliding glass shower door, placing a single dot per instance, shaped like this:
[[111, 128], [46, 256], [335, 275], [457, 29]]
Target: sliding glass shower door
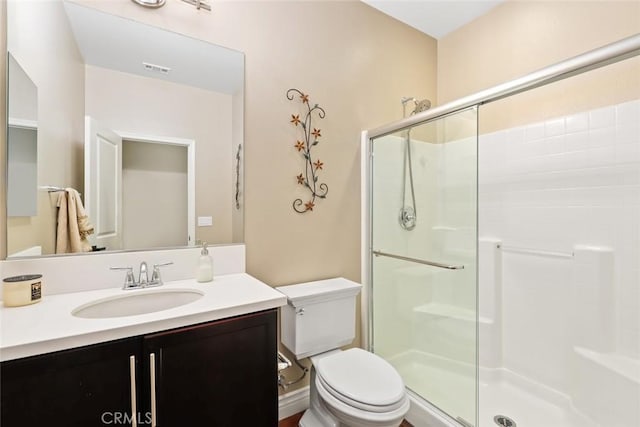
[[423, 259]]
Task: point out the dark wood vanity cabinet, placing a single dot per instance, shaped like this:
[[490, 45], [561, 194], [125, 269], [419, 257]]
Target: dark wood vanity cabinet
[[221, 373], [80, 387], [224, 373]]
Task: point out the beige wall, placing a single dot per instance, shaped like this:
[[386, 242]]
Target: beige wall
[[519, 37], [154, 194], [342, 54], [178, 111], [57, 70]]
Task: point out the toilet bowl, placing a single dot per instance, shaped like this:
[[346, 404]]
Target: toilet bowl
[[354, 387]]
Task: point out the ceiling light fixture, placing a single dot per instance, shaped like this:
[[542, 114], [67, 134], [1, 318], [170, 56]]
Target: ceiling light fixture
[[153, 4], [199, 4]]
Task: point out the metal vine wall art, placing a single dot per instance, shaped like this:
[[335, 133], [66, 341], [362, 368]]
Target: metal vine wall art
[[310, 138]]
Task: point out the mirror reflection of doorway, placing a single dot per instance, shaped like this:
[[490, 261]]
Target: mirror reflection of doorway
[[154, 192], [144, 182]]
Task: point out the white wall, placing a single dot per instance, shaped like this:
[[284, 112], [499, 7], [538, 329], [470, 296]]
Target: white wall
[[569, 184], [567, 181]]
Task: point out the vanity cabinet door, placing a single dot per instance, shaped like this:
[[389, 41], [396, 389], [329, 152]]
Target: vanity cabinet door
[[88, 386], [221, 374]]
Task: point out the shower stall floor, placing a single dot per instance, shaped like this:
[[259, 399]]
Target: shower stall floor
[[507, 396], [450, 386]]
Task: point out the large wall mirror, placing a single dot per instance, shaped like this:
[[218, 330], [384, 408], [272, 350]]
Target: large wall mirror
[[146, 125]]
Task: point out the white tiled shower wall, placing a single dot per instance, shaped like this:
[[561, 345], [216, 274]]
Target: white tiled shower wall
[[570, 184], [568, 181]]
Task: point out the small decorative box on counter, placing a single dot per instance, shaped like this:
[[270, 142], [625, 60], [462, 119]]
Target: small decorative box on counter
[[22, 290]]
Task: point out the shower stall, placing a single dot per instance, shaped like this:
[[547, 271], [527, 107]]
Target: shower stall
[[513, 296]]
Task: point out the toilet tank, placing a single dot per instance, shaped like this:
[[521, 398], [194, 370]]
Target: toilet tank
[[319, 316]]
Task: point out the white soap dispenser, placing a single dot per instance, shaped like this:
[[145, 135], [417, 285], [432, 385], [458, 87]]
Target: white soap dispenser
[[204, 272]]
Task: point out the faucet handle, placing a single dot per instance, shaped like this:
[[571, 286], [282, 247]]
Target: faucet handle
[[156, 278], [129, 280]]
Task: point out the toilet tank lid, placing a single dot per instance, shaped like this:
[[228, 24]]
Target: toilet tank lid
[[319, 290]]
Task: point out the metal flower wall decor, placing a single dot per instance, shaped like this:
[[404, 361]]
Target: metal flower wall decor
[[310, 138]]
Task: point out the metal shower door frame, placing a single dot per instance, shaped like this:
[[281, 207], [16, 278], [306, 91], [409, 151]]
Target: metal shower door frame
[[626, 48]]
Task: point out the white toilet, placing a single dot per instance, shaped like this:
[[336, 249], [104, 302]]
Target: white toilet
[[352, 388]]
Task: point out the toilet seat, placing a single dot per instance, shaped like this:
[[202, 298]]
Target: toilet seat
[[361, 380], [354, 416]]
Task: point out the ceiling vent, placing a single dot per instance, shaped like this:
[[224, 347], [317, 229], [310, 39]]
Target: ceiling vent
[[156, 68]]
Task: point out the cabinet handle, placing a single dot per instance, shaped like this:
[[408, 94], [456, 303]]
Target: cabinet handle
[[134, 408], [152, 369]]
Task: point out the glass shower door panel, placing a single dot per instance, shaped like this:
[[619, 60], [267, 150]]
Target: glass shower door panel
[[424, 204]]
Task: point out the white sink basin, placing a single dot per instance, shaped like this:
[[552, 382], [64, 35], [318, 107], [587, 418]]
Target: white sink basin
[[137, 302]]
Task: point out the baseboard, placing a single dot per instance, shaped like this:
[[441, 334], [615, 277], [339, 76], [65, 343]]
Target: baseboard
[[293, 402]]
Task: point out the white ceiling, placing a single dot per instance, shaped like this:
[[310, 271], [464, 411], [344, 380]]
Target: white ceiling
[[436, 18], [121, 44]]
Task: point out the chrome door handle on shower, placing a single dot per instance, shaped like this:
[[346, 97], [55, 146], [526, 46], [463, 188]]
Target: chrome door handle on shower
[[420, 261]]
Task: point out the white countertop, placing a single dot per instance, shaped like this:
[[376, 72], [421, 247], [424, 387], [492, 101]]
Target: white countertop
[[49, 326]]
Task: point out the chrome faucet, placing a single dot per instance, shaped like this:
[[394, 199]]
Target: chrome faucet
[[143, 276]]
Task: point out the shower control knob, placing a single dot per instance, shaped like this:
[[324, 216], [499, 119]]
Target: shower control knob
[[408, 218]]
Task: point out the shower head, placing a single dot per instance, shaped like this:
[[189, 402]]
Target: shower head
[[404, 101], [421, 106]]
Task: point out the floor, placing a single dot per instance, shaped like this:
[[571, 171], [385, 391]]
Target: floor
[[292, 421]]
